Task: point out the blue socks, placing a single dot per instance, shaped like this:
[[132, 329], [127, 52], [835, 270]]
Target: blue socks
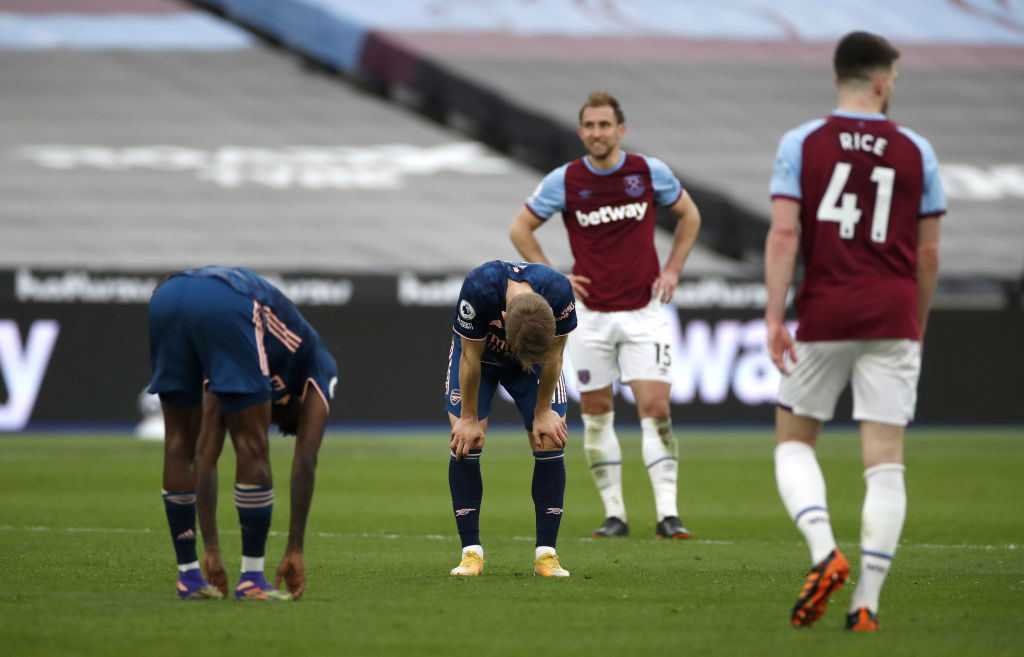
[[181, 518], [255, 505], [548, 493], [467, 487]]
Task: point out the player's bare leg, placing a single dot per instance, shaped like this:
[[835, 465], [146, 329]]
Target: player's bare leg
[[802, 489], [604, 455], [661, 454], [885, 509], [208, 451]]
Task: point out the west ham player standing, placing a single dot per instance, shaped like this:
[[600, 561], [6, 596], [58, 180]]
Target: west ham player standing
[[607, 200], [510, 327], [860, 198], [235, 329]]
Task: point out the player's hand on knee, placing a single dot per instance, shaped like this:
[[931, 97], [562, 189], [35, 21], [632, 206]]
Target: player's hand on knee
[[549, 431], [467, 434]]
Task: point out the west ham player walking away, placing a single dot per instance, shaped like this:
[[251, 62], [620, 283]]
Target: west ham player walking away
[[235, 329], [860, 197], [510, 327], [607, 200]]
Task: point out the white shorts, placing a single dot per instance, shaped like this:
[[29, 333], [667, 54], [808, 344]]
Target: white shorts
[[626, 345], [884, 375]]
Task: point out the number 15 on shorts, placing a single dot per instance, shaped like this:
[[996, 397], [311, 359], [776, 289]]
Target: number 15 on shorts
[[661, 355]]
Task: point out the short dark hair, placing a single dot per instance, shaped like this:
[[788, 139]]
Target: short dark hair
[[286, 415], [603, 99], [529, 328], [859, 54]]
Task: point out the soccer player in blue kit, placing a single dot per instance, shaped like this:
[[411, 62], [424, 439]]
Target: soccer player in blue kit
[[510, 327], [263, 362]]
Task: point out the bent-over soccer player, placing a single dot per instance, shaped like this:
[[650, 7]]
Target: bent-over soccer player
[[261, 359], [510, 327]]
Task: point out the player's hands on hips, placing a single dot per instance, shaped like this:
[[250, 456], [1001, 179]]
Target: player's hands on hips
[[213, 569], [578, 285], [664, 286], [293, 571], [780, 344], [467, 434], [548, 424]]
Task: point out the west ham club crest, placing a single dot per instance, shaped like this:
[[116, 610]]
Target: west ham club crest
[[634, 185]]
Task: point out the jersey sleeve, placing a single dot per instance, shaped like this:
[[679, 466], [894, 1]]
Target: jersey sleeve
[[789, 160], [563, 303], [469, 320], [324, 373], [549, 197], [933, 197], [667, 188]]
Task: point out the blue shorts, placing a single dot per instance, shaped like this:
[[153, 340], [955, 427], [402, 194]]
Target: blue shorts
[[201, 328], [521, 385]]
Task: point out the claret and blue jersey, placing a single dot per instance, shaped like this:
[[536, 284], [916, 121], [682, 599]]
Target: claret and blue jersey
[[482, 300], [863, 183], [610, 216]]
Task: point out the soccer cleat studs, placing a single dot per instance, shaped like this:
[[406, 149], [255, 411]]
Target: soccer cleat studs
[[825, 579]]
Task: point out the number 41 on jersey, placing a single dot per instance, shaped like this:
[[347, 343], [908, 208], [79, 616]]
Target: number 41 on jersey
[[841, 207]]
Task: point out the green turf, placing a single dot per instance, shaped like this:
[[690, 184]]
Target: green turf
[[88, 567]]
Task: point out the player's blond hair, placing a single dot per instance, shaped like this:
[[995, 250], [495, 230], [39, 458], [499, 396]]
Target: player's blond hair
[[603, 99], [529, 328]]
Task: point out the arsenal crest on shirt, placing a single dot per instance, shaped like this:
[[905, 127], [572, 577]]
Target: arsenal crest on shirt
[[634, 185]]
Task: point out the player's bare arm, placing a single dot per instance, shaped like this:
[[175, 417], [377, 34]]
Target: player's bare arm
[[208, 449], [927, 267], [684, 237], [312, 423], [467, 430], [521, 234], [779, 261], [546, 422]]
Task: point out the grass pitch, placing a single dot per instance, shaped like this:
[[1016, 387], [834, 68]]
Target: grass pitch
[[88, 567]]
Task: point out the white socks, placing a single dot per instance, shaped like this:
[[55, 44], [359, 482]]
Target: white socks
[[802, 489], [660, 453], [885, 509], [661, 456], [479, 549], [541, 550], [604, 455]]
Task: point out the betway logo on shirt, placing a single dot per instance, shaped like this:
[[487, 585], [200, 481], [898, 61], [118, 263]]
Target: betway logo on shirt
[[609, 213]]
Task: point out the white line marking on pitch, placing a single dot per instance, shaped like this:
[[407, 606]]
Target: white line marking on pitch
[[446, 537]]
